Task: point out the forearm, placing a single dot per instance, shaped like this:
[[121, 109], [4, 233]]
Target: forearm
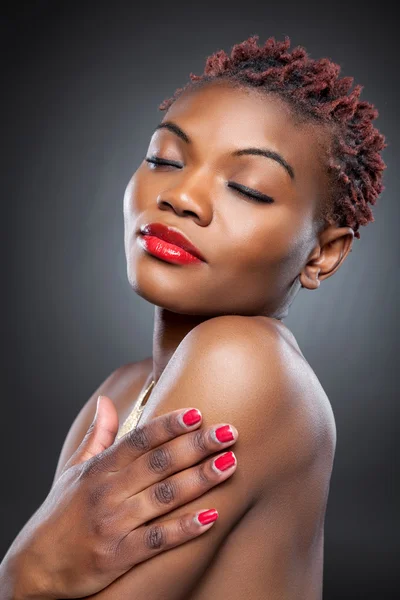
[[18, 581], [173, 575]]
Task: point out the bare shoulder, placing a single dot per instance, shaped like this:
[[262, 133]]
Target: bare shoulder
[[286, 447], [262, 348], [122, 386], [250, 372], [285, 454]]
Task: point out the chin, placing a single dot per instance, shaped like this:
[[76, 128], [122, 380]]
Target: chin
[[167, 286]]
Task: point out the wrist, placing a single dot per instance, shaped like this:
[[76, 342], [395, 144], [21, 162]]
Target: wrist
[[20, 581]]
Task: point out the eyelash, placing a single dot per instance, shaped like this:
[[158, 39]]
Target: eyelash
[[243, 190]]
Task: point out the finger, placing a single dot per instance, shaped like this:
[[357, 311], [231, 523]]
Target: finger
[[166, 495], [100, 435], [144, 438], [148, 540], [174, 456]]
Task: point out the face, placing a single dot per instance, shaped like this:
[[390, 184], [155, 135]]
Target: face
[[254, 249]]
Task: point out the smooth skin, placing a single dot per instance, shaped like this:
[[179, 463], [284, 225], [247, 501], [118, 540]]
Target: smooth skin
[[218, 339]]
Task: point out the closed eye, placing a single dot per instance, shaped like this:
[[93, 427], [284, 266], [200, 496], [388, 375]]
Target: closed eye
[[241, 189], [160, 161]]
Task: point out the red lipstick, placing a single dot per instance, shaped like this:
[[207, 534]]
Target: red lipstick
[[169, 244]]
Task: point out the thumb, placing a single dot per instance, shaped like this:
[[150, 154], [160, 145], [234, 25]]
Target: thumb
[[101, 433]]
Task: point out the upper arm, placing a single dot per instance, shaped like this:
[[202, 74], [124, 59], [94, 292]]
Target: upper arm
[[233, 373], [84, 418]]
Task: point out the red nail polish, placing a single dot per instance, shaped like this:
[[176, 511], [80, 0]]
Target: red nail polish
[[191, 417], [225, 461], [207, 516], [224, 434]]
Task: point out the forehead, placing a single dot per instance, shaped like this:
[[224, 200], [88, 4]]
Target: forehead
[[220, 118]]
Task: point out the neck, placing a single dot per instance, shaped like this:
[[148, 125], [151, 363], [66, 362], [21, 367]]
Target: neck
[[170, 328]]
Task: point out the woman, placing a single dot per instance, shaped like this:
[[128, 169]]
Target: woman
[[262, 170], [254, 185]]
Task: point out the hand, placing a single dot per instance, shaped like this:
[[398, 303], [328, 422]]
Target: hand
[[94, 524]]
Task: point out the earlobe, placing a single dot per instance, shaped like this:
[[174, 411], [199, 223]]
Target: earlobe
[[309, 279], [333, 248]]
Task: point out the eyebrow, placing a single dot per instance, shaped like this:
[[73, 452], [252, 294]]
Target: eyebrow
[[244, 151]]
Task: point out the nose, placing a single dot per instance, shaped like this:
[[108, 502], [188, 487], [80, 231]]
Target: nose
[[186, 199]]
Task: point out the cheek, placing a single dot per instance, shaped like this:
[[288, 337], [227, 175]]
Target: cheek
[[271, 251], [133, 195], [140, 190], [131, 211], [138, 194], [127, 199], [293, 246], [270, 236]]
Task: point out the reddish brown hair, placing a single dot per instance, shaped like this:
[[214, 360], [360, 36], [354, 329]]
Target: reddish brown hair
[[315, 92]]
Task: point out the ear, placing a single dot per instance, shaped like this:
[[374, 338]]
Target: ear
[[333, 246]]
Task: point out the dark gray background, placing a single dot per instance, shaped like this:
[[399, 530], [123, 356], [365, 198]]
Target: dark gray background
[[81, 86]]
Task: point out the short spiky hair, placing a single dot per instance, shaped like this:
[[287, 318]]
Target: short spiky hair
[[315, 92]]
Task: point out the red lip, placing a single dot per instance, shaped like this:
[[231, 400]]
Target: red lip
[[171, 235]]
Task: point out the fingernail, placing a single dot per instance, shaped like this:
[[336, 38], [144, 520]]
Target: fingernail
[[224, 462], [207, 516], [190, 417], [223, 434]]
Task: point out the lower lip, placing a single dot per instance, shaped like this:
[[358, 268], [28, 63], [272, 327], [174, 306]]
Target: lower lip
[[166, 251]]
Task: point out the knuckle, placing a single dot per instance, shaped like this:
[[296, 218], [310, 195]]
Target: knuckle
[[185, 527], [164, 492], [99, 559], [203, 475], [199, 441], [155, 537], [138, 439], [102, 528], [106, 459], [169, 424], [104, 556], [159, 460]]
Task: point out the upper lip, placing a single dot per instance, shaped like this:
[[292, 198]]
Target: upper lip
[[172, 235]]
